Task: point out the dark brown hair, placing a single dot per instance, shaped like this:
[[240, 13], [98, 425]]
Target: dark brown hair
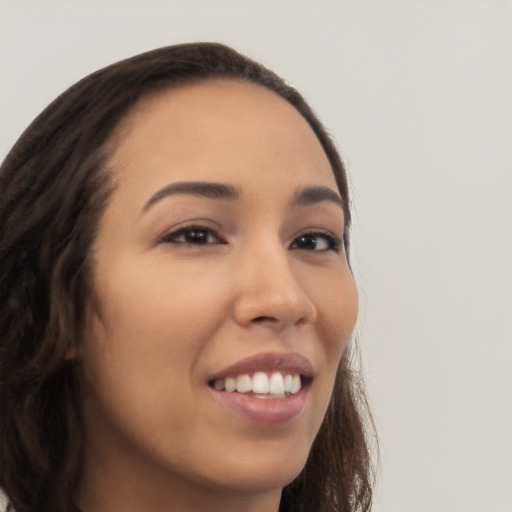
[[54, 186]]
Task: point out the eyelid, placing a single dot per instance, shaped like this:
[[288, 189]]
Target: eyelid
[[336, 243], [171, 234]]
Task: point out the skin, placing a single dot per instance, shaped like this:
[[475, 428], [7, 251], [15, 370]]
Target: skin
[[168, 314]]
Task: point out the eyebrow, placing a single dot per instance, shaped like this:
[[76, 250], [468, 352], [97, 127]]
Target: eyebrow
[[195, 188], [312, 195], [210, 190]]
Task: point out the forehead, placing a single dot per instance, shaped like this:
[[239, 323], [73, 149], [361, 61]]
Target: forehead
[[218, 130]]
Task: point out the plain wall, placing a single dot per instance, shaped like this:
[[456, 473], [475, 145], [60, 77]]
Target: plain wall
[[417, 95]]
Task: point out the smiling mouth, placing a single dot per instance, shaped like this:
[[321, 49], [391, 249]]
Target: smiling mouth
[[261, 384], [265, 389]]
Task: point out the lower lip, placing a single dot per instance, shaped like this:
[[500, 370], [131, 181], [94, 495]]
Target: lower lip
[[266, 411]]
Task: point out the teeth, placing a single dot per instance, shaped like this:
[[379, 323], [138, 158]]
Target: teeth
[[261, 384], [296, 384], [287, 382], [277, 384], [230, 384], [243, 383], [219, 385]]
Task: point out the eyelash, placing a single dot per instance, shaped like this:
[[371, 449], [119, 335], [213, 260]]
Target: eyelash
[[172, 236], [334, 243]]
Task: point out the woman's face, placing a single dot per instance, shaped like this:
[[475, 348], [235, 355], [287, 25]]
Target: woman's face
[[218, 262]]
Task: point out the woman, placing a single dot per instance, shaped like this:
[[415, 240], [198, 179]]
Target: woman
[[178, 299]]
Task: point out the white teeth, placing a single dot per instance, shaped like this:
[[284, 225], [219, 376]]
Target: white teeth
[[260, 383], [296, 384], [230, 384], [243, 383], [275, 386], [287, 382]]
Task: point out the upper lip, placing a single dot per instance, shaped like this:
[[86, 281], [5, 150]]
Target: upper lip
[[291, 363]]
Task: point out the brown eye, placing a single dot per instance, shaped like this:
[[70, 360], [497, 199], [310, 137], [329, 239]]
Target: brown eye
[[317, 241], [193, 235]]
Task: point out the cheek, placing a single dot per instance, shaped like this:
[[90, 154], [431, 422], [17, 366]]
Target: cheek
[[154, 324], [160, 301], [337, 308], [336, 322], [337, 313], [142, 353]]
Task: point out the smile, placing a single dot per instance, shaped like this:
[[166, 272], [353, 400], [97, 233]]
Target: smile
[[261, 384], [267, 389]]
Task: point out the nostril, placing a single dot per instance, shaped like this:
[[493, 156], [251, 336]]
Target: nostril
[[261, 319]]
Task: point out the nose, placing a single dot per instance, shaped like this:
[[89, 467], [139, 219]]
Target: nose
[[268, 291]]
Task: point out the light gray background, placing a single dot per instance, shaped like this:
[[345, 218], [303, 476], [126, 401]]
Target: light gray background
[[418, 96]]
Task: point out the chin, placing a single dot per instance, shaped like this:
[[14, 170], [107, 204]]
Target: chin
[[259, 474], [256, 483]]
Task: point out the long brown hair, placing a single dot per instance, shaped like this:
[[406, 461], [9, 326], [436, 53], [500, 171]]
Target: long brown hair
[[54, 186]]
